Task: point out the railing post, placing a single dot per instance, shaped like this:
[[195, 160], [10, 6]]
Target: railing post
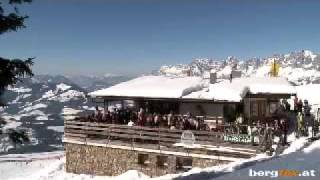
[[159, 140], [132, 140]]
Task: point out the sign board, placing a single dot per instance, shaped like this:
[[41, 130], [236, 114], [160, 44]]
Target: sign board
[[187, 138], [237, 138]]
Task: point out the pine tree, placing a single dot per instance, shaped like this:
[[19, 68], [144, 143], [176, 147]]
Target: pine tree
[[12, 70]]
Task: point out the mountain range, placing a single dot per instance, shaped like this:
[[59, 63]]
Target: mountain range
[[40, 104], [300, 67]]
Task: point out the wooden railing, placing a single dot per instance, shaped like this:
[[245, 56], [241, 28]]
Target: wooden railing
[[136, 133], [138, 136]]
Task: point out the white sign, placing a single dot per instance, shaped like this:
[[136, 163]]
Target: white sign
[[187, 138]]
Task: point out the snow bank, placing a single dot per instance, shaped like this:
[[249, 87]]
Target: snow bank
[[315, 145], [235, 91], [228, 91], [295, 145], [63, 87], [154, 87]]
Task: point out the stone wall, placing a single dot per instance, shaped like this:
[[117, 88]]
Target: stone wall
[[202, 163], [88, 159]]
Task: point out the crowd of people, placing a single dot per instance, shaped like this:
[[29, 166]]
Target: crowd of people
[[303, 125], [265, 130], [305, 120], [145, 118]]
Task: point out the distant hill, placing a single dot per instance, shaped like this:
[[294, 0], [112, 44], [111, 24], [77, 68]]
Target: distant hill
[[41, 103]]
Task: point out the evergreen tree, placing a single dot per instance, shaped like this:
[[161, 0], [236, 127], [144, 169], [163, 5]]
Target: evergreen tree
[[12, 70]]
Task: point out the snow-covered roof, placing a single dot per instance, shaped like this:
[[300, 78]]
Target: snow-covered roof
[[153, 87], [311, 93], [235, 91], [193, 88]]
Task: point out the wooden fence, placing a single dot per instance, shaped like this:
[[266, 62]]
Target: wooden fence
[[136, 133], [145, 137]]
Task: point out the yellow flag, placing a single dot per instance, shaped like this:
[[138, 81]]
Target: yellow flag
[[274, 69]]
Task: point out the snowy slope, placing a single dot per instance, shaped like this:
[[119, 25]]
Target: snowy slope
[[38, 106]]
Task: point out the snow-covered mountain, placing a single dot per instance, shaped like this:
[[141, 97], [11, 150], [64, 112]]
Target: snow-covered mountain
[[301, 67], [39, 105]]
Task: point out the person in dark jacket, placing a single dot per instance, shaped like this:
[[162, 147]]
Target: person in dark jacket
[[295, 108], [284, 131], [299, 105]]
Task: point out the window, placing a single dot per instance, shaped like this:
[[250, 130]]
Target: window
[[258, 108], [183, 164], [273, 107], [143, 159], [162, 161]]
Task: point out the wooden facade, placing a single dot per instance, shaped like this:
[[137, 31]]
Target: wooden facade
[[263, 107]]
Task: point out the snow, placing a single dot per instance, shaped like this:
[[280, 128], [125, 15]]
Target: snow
[[295, 145], [154, 87], [225, 72], [19, 97], [314, 146], [56, 128], [194, 88], [310, 54], [202, 94], [235, 91], [36, 106], [63, 87], [70, 111], [311, 93], [20, 89], [89, 108], [48, 94], [225, 90], [298, 160], [49, 166], [198, 173], [299, 75], [179, 71], [256, 85], [65, 96]]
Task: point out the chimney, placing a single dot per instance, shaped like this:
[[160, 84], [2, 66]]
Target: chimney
[[236, 74], [213, 77]]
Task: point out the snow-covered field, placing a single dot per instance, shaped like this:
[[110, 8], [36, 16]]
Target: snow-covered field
[[50, 166]]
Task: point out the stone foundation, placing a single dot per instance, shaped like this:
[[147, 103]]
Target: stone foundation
[[107, 161]]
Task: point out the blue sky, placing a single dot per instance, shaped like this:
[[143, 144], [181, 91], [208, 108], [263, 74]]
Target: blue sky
[[137, 36]]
